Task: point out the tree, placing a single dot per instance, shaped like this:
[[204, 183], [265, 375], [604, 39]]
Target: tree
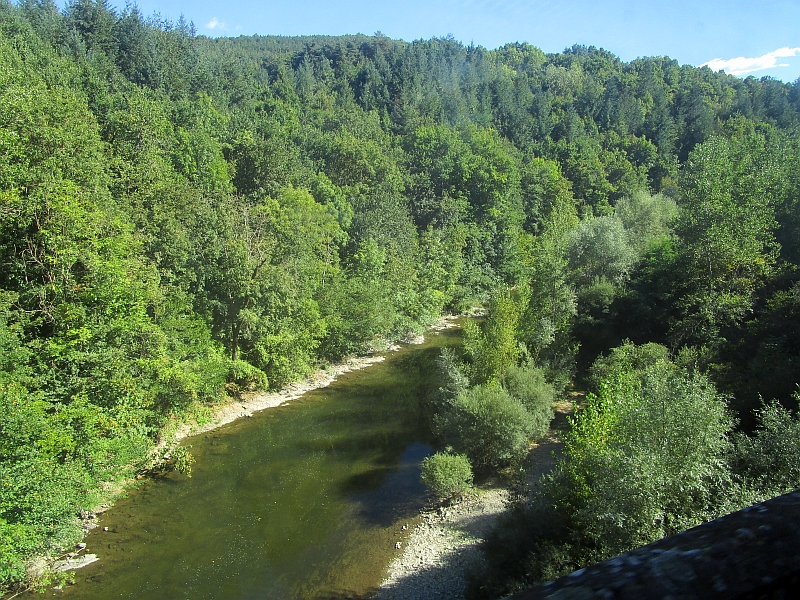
[[599, 249], [647, 219], [544, 189], [645, 459], [726, 225], [438, 161], [545, 324], [356, 305], [493, 345], [769, 459], [94, 21], [272, 261]]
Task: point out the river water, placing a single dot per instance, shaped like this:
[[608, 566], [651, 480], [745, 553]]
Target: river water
[[305, 500]]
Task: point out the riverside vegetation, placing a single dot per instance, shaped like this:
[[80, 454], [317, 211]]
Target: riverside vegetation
[[183, 218]]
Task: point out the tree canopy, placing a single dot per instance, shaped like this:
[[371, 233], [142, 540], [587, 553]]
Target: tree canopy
[[183, 218]]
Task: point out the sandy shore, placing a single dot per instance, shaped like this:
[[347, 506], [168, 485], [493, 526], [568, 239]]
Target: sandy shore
[[251, 403]]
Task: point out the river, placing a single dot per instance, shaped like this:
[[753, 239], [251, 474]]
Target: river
[[305, 500]]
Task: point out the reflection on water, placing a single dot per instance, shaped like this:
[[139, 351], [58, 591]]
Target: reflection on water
[[300, 501]]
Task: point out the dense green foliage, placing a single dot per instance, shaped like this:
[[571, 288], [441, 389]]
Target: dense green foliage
[[653, 453], [184, 217], [644, 459], [488, 425], [447, 475], [491, 422], [528, 384], [768, 460]]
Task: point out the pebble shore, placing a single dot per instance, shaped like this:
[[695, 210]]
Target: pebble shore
[[441, 548], [444, 546]]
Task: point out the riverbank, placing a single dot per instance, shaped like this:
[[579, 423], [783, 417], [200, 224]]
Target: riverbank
[[445, 543], [213, 418], [257, 401], [442, 547]]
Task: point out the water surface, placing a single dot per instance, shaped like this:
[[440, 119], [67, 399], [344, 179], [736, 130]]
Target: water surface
[[301, 501]]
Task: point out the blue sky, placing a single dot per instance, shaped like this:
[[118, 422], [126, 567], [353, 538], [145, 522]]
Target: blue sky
[[755, 34]]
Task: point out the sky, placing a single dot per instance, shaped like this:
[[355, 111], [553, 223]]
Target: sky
[[742, 37]]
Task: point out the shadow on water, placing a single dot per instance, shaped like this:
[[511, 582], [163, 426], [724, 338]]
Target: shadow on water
[[400, 493]]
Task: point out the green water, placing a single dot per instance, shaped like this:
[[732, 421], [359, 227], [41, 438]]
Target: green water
[[301, 501]]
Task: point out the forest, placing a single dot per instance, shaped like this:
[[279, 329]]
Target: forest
[[184, 218]]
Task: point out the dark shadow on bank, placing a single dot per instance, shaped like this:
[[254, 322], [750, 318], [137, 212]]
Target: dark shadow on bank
[[445, 581]]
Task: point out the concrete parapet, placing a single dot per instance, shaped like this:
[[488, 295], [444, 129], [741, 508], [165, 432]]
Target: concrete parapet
[[752, 553]]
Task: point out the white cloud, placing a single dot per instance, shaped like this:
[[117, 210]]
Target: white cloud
[[215, 23], [742, 65]]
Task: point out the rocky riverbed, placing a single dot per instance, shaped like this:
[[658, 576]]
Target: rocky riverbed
[[433, 559]]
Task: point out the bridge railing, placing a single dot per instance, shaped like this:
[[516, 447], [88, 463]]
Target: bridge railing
[[752, 553]]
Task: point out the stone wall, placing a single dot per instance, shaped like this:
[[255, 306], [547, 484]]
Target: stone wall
[[753, 553]]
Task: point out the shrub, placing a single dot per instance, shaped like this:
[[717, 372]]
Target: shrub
[[769, 460], [447, 475], [488, 425], [645, 459], [246, 376], [626, 358], [528, 385], [452, 373]]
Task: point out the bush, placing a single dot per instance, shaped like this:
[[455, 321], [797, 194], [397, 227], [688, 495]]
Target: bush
[[769, 460], [246, 376], [626, 358], [488, 425], [645, 459], [452, 374], [528, 385], [447, 475]]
